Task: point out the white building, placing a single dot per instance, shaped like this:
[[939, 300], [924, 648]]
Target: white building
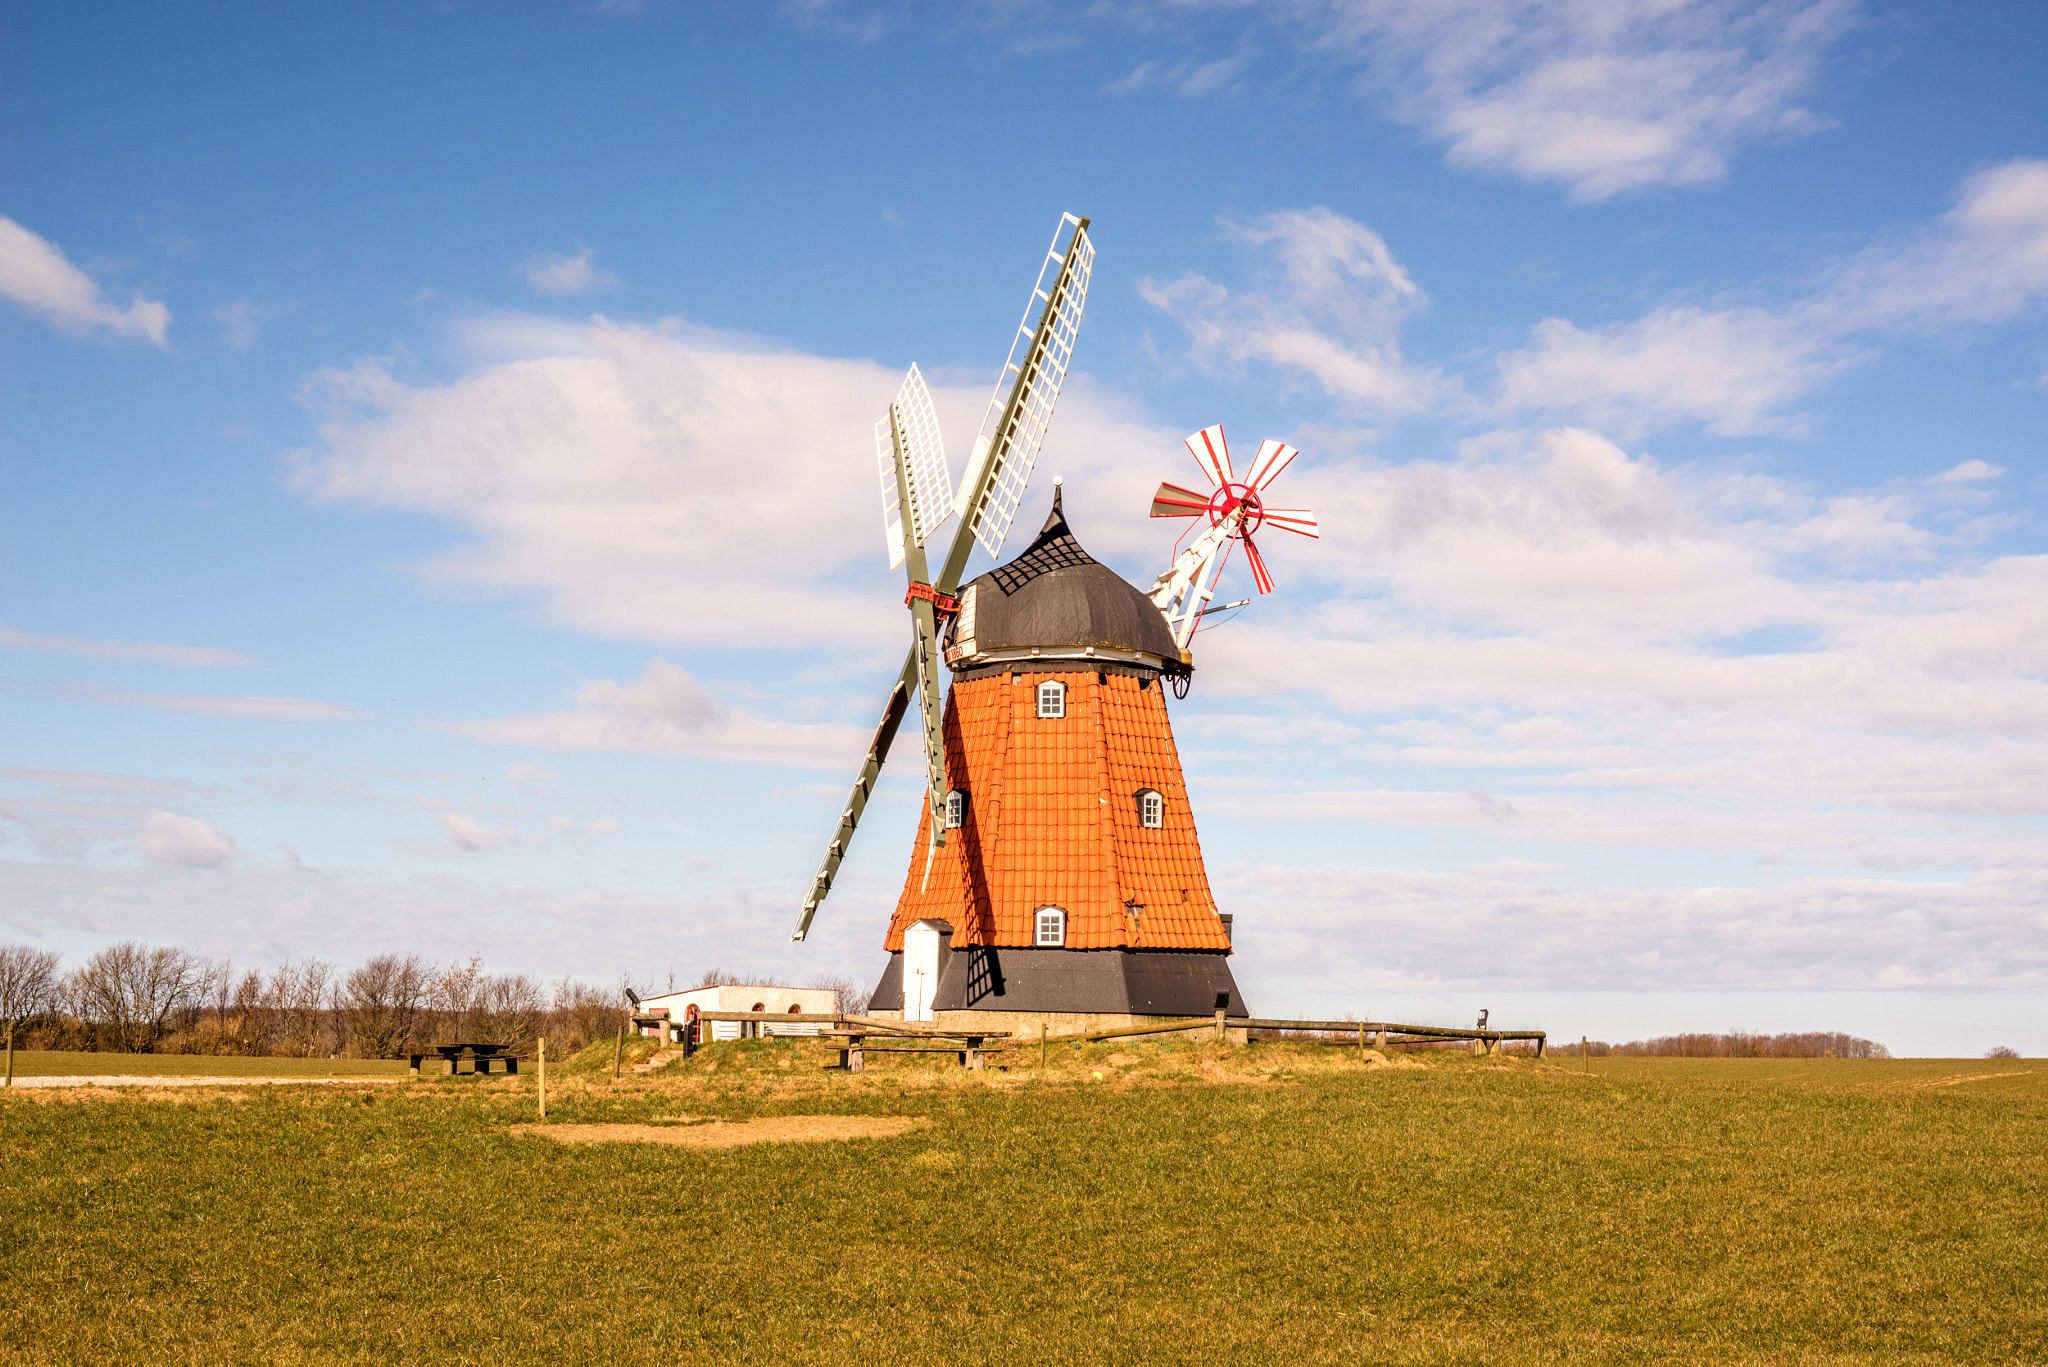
[[793, 1002]]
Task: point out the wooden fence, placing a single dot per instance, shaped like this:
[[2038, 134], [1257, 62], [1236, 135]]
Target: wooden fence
[[856, 1031]]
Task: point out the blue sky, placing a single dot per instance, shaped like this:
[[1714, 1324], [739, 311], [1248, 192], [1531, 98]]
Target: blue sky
[[436, 510]]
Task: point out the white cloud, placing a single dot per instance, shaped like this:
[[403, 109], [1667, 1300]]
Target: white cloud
[[1513, 930], [242, 320], [1736, 368], [41, 281], [215, 705], [1634, 656], [1327, 302], [1604, 98], [1190, 78], [1731, 369], [554, 273], [472, 836], [1970, 472], [183, 841], [674, 487], [187, 657], [532, 778], [667, 712]]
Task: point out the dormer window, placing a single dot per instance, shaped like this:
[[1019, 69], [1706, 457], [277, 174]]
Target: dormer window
[[1052, 699], [956, 810], [1151, 808], [1051, 928]]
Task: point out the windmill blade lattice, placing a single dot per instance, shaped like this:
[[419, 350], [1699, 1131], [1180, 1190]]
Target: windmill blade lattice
[[1014, 426], [930, 484]]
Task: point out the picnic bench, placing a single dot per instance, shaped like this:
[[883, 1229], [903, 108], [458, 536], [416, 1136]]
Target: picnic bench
[[481, 1058]]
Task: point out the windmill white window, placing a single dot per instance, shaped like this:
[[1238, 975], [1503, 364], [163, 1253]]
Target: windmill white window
[[1052, 699], [1052, 928], [956, 810], [1151, 808]]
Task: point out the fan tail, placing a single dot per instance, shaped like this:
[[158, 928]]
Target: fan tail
[[1300, 521], [1174, 501], [1273, 458], [1260, 575], [1212, 453]]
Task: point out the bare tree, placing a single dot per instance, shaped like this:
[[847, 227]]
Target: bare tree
[[581, 1013], [849, 998], [245, 1024], [507, 1009], [451, 997], [296, 997], [28, 983], [381, 1004], [131, 991]]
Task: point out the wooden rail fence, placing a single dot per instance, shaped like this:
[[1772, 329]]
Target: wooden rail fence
[[853, 1034]]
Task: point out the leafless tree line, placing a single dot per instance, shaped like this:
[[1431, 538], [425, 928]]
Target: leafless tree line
[[136, 998], [1735, 1044]]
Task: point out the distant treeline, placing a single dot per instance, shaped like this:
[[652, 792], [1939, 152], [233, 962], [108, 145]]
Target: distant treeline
[[136, 998], [1736, 1044]]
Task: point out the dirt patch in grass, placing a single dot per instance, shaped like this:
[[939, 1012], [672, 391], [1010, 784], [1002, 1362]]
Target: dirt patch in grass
[[720, 1134], [1975, 1077]]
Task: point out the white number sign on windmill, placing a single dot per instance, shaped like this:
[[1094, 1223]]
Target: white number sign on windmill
[[915, 502], [1236, 509]]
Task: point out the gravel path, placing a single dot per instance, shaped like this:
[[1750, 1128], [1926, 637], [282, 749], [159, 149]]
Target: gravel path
[[76, 1081]]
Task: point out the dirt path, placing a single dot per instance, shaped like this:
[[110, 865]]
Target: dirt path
[[118, 1081], [721, 1134]]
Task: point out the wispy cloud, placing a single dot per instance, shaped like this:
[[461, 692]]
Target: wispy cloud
[[189, 657], [242, 320], [554, 273], [667, 712], [1327, 300], [42, 282], [1737, 368], [1600, 98], [473, 836], [213, 705], [1188, 76]]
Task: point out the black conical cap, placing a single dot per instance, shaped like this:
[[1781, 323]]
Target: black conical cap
[[1058, 598]]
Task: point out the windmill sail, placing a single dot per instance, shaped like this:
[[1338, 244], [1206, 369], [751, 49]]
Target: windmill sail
[[926, 480], [1021, 407], [914, 486]]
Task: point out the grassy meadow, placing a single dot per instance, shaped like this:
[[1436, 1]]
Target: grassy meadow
[[53, 1063], [1183, 1202]]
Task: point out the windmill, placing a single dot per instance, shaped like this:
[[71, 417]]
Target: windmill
[[1236, 509], [915, 503], [1056, 870]]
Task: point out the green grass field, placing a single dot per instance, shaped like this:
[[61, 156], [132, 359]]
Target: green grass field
[[49, 1063], [1193, 1204]]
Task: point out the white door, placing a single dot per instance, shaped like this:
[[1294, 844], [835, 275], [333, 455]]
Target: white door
[[920, 970]]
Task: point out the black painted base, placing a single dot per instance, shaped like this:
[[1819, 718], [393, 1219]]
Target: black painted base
[[1137, 982]]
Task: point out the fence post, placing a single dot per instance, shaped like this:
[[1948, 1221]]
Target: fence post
[[1220, 1036], [1585, 1055], [543, 1077], [1361, 1042], [1379, 1041], [1041, 1046], [618, 1051], [10, 1053]]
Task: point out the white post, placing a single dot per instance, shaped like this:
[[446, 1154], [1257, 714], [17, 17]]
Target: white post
[[543, 1077]]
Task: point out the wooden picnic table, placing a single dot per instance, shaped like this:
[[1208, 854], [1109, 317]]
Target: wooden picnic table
[[480, 1056]]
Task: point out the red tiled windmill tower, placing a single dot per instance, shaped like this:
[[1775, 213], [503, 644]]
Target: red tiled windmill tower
[[1056, 875]]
